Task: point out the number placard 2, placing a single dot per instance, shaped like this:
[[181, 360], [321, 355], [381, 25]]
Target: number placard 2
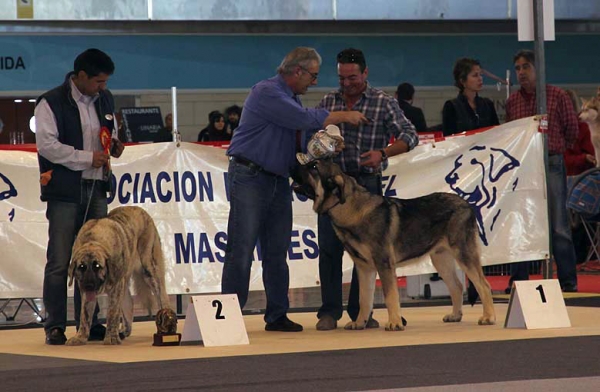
[[214, 320], [537, 304]]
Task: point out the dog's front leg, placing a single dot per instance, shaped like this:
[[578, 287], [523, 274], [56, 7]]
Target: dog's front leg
[[114, 313], [85, 319], [389, 283], [366, 282]]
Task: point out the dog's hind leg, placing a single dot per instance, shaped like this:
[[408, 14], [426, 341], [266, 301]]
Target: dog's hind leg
[[127, 314], [389, 283], [85, 321], [475, 275], [443, 261], [366, 282], [469, 261], [154, 271]]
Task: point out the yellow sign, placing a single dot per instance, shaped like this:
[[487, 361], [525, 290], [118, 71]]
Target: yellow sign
[[24, 9]]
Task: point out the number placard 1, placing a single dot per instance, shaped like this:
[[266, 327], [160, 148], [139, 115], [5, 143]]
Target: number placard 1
[[214, 320], [537, 304]]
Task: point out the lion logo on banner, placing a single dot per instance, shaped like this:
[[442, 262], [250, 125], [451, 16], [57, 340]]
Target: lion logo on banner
[[492, 164], [7, 193]]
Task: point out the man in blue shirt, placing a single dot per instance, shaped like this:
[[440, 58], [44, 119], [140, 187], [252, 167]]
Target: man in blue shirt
[[261, 155]]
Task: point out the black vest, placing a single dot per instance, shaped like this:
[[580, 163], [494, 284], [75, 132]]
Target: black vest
[[65, 184], [468, 119]]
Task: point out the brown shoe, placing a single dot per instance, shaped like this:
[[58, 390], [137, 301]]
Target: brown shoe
[[326, 323]]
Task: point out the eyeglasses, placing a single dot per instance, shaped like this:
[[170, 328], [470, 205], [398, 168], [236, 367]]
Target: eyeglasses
[[314, 75]]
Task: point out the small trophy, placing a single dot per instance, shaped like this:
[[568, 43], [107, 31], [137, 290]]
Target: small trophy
[[166, 328], [322, 145]]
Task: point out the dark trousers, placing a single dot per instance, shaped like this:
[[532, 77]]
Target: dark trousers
[[64, 221], [331, 251], [260, 209]]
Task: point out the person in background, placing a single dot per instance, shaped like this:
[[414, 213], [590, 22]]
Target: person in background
[[364, 157], [578, 159], [468, 110], [562, 134], [581, 156], [261, 155], [405, 94], [233, 114], [72, 122], [165, 134], [216, 131]]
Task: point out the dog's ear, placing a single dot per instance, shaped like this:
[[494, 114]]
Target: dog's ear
[[340, 183], [72, 267]]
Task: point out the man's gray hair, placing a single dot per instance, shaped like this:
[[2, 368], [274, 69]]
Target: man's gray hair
[[300, 57]]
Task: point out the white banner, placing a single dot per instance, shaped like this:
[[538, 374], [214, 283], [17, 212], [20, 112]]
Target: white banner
[[500, 172]]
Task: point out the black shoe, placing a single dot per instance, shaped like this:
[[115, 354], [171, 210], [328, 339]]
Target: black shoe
[[97, 333], [569, 288], [56, 337], [283, 324]]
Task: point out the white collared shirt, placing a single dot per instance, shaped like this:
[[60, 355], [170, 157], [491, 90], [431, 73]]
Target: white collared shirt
[[52, 149]]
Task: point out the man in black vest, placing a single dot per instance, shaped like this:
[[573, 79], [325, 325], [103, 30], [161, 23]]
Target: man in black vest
[[75, 124]]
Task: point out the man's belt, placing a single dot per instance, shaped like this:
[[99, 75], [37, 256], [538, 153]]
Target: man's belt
[[249, 164]]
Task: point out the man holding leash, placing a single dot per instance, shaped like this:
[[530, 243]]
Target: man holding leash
[[364, 156], [75, 123], [562, 134], [261, 155]]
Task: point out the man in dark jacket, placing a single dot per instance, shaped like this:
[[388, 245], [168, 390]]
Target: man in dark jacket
[[75, 124], [404, 94]]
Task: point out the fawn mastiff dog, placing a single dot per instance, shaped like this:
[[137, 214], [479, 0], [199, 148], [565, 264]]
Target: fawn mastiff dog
[[382, 233], [107, 253]]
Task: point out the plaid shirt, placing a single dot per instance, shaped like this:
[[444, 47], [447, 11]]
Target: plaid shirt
[[562, 119], [386, 120]]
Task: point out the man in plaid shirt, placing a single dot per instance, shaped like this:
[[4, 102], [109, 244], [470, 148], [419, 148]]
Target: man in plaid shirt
[[562, 134], [364, 156]]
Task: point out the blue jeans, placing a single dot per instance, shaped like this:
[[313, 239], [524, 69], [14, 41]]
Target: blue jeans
[[64, 221], [560, 229], [331, 251], [260, 209]]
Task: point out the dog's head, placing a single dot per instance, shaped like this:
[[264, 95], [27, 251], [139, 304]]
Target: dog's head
[[89, 267], [323, 182], [589, 110]]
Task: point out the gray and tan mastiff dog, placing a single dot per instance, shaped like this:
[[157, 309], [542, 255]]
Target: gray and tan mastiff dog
[[107, 254], [382, 233]]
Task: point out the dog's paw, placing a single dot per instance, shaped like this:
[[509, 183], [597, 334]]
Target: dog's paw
[[76, 341], [353, 326], [483, 320], [112, 340], [394, 326], [453, 318]]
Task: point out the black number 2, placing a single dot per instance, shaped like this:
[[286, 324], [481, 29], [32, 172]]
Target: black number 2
[[217, 304], [542, 295]]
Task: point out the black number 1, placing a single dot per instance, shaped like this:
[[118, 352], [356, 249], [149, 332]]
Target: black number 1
[[217, 304], [542, 295]]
